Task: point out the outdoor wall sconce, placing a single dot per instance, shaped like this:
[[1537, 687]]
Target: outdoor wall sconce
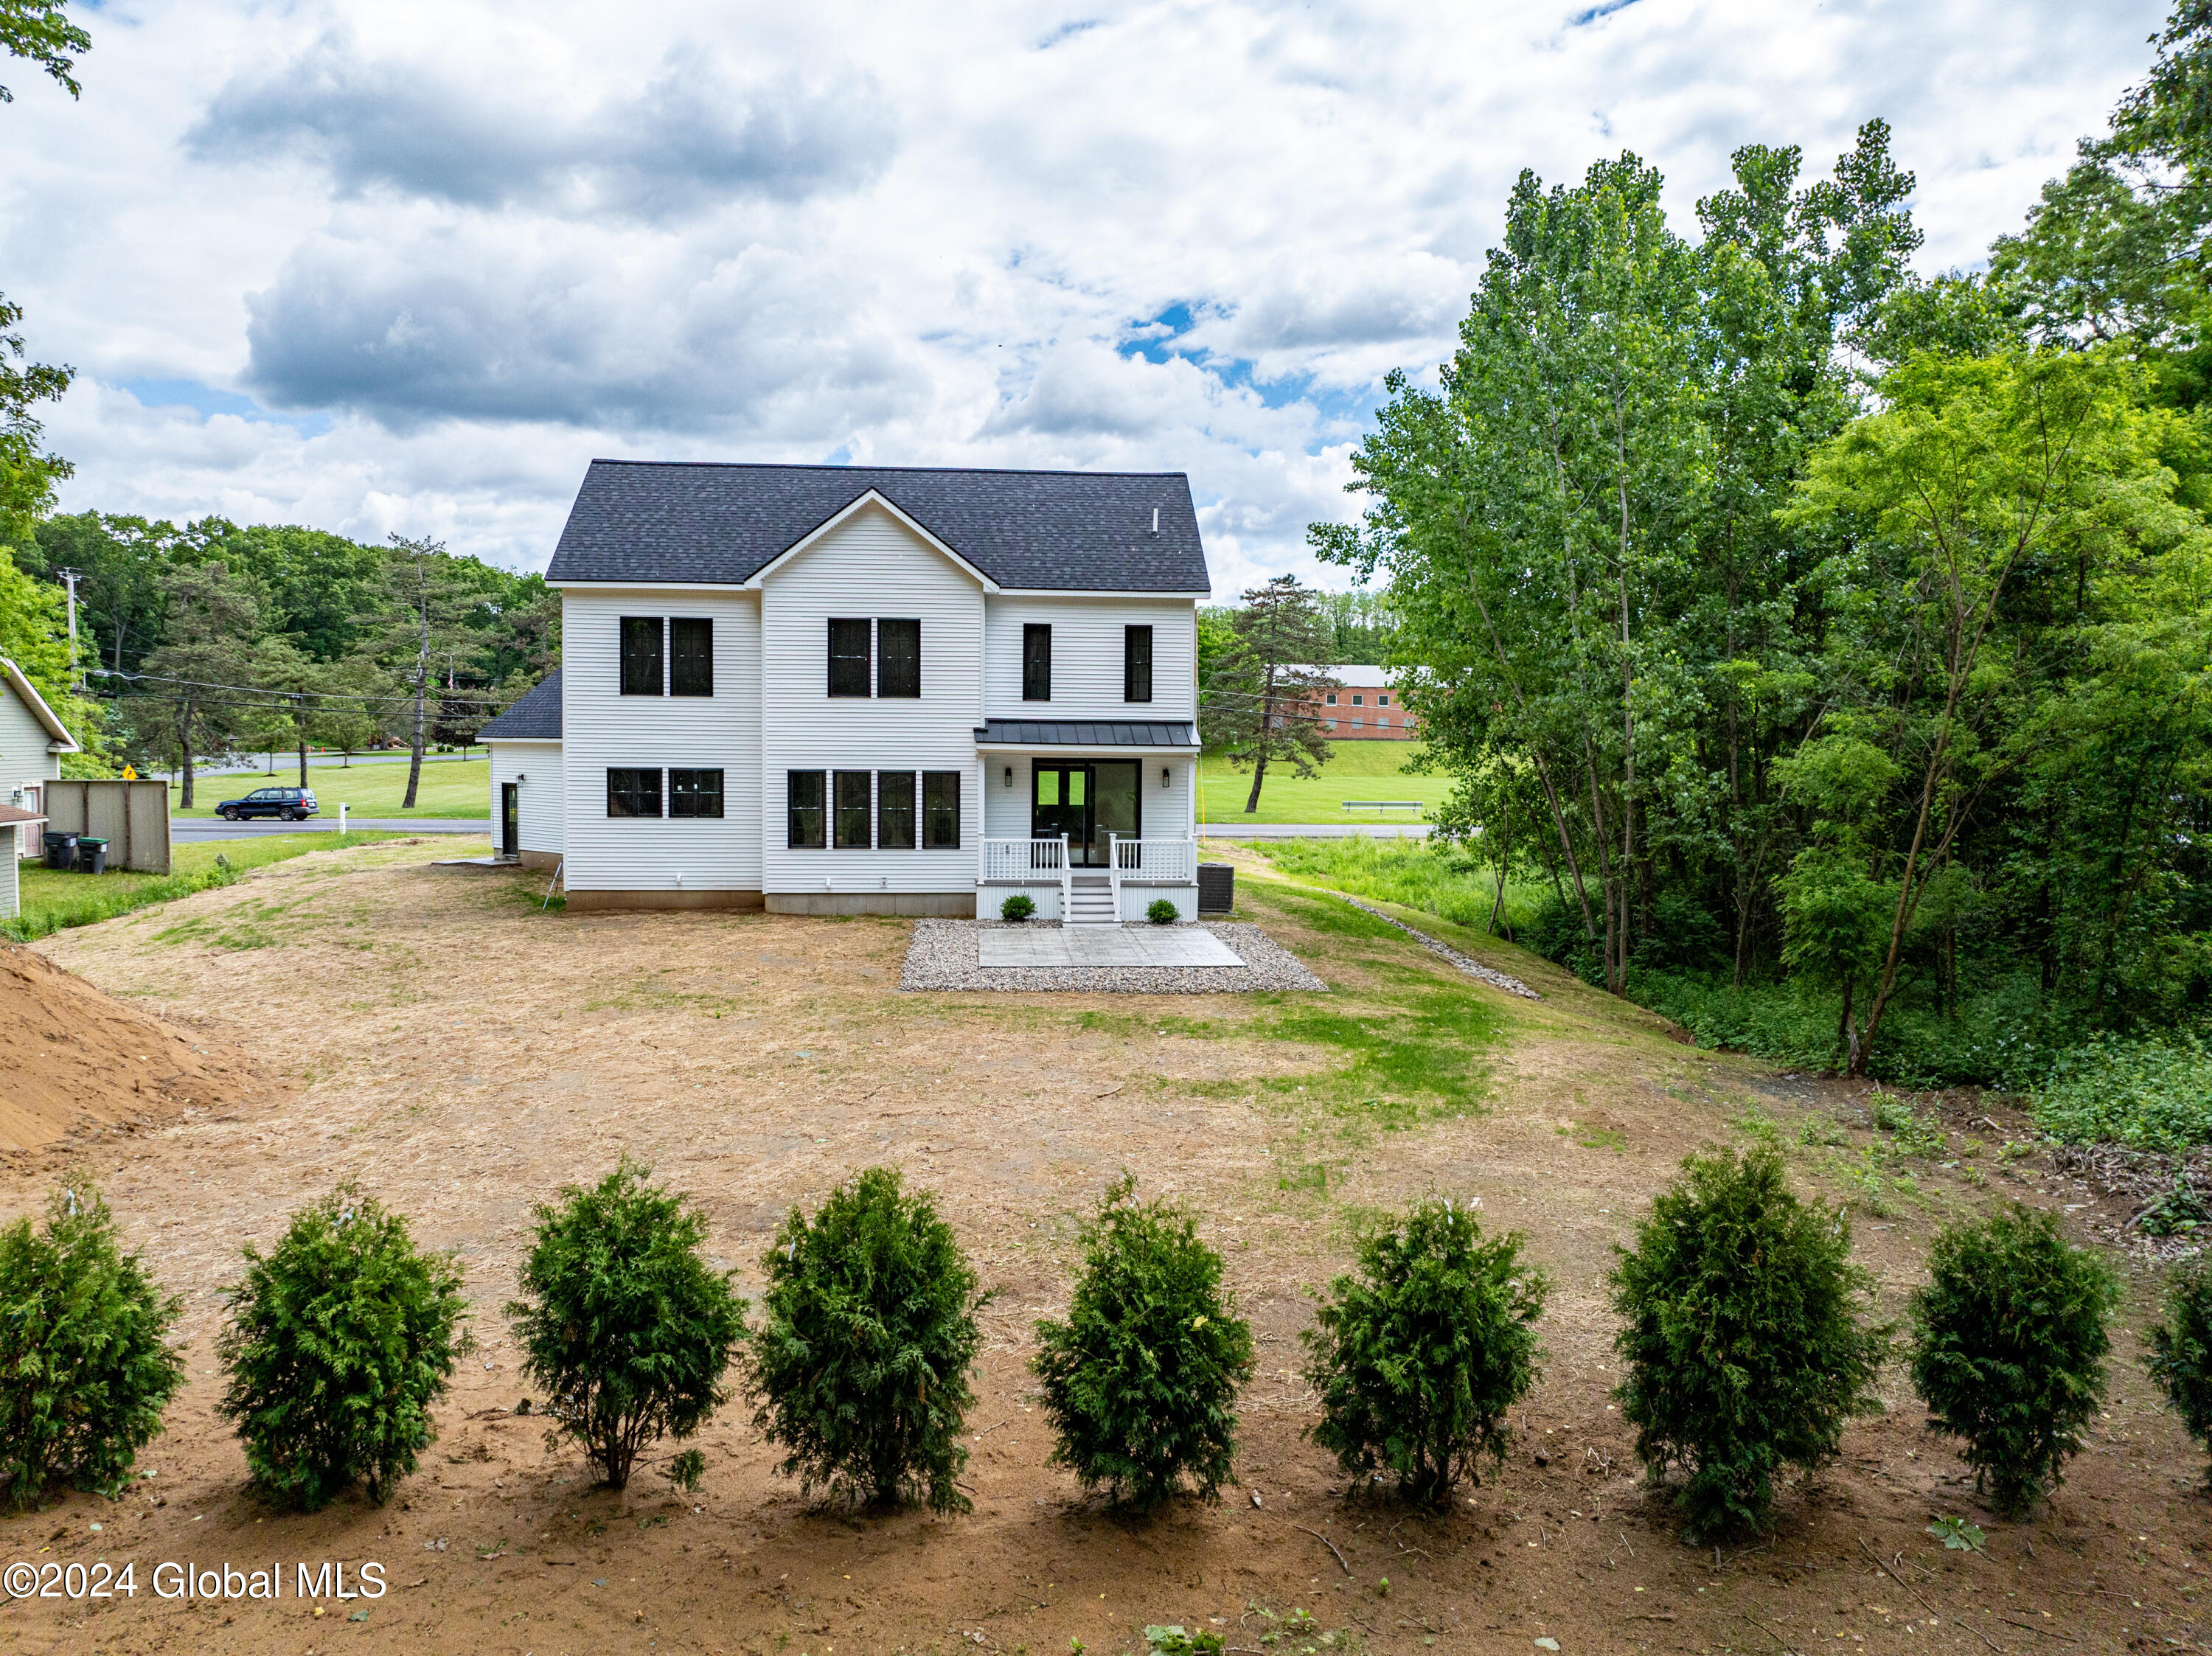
[[1010, 776], [1163, 776]]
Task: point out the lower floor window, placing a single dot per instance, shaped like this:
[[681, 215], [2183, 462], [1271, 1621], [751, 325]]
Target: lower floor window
[[805, 814], [694, 793], [633, 792], [853, 803], [895, 810], [940, 811]]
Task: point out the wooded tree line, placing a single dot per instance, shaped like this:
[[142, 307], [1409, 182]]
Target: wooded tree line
[[210, 638], [1792, 617]]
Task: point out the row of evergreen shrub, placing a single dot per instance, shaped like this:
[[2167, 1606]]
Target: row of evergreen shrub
[[1745, 1337]]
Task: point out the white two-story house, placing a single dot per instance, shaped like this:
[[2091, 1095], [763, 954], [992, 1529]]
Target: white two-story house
[[847, 689]]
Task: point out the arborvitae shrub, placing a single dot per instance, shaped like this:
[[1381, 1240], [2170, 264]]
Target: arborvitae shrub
[[1142, 1380], [85, 1366], [337, 1344], [1744, 1344], [2181, 1347], [1419, 1357], [2009, 1342], [861, 1365], [627, 1327]]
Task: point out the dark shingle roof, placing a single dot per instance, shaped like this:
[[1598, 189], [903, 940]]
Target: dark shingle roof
[[536, 717], [718, 525], [1088, 732]]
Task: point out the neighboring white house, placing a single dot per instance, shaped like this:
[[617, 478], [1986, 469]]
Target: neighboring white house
[[846, 689], [32, 743]]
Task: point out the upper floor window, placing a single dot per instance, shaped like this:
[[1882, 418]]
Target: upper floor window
[[690, 656], [1358, 700], [1382, 701], [640, 657], [1136, 664], [1332, 698], [898, 658], [849, 657], [1036, 662]]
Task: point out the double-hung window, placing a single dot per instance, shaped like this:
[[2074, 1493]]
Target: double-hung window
[[1136, 664], [940, 811], [853, 803], [641, 655], [895, 810], [633, 791], [1036, 662], [848, 656], [690, 656], [694, 793], [804, 817], [898, 658]]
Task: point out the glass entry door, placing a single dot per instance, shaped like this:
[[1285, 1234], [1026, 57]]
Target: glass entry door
[[1086, 801]]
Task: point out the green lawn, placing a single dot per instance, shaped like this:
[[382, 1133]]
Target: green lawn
[[1356, 770], [54, 902], [451, 787]]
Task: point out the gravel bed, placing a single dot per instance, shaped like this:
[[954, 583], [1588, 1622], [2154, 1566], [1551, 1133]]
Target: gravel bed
[[943, 957], [1473, 968]]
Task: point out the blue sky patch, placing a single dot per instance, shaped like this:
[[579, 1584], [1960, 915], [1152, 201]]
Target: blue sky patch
[[207, 400]]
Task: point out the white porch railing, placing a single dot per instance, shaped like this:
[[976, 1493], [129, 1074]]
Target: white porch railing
[[1025, 862], [1152, 862]]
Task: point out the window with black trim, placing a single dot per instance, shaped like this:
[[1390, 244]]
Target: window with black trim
[[690, 656], [940, 811], [694, 793], [848, 656], [1136, 664], [853, 809], [895, 810], [804, 817], [1036, 662], [641, 655], [633, 792], [898, 658]]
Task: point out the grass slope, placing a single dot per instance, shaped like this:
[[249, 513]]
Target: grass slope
[[451, 787], [1356, 770], [53, 901]]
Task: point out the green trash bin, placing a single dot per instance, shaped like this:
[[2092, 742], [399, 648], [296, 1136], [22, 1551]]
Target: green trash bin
[[91, 854]]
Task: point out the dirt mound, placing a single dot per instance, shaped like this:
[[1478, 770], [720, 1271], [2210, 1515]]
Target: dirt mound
[[74, 1058]]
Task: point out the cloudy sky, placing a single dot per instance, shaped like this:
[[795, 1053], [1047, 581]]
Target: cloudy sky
[[398, 266]]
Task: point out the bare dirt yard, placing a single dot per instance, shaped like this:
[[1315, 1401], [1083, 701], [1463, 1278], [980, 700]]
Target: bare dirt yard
[[433, 1034]]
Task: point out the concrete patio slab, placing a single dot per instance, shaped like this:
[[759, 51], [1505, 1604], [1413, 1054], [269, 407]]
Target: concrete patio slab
[[1103, 945]]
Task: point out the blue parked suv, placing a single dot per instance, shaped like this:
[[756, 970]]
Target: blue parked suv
[[286, 804]]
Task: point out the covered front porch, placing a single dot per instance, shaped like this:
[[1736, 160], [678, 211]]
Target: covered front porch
[[1094, 821]]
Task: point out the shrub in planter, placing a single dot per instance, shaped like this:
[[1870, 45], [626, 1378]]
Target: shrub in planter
[[1162, 912], [1142, 1380], [627, 1327], [2010, 1341], [1419, 1358], [861, 1365], [337, 1344], [1744, 1342], [2181, 1359], [85, 1366], [1018, 907]]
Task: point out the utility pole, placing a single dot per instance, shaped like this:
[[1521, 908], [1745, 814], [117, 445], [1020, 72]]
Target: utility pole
[[70, 577]]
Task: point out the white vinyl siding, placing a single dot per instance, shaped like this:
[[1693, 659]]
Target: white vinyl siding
[[538, 766], [24, 761], [1087, 659], [871, 565], [602, 729]]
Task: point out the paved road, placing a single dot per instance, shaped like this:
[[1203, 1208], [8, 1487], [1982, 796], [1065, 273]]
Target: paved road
[[1312, 830], [184, 830]]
